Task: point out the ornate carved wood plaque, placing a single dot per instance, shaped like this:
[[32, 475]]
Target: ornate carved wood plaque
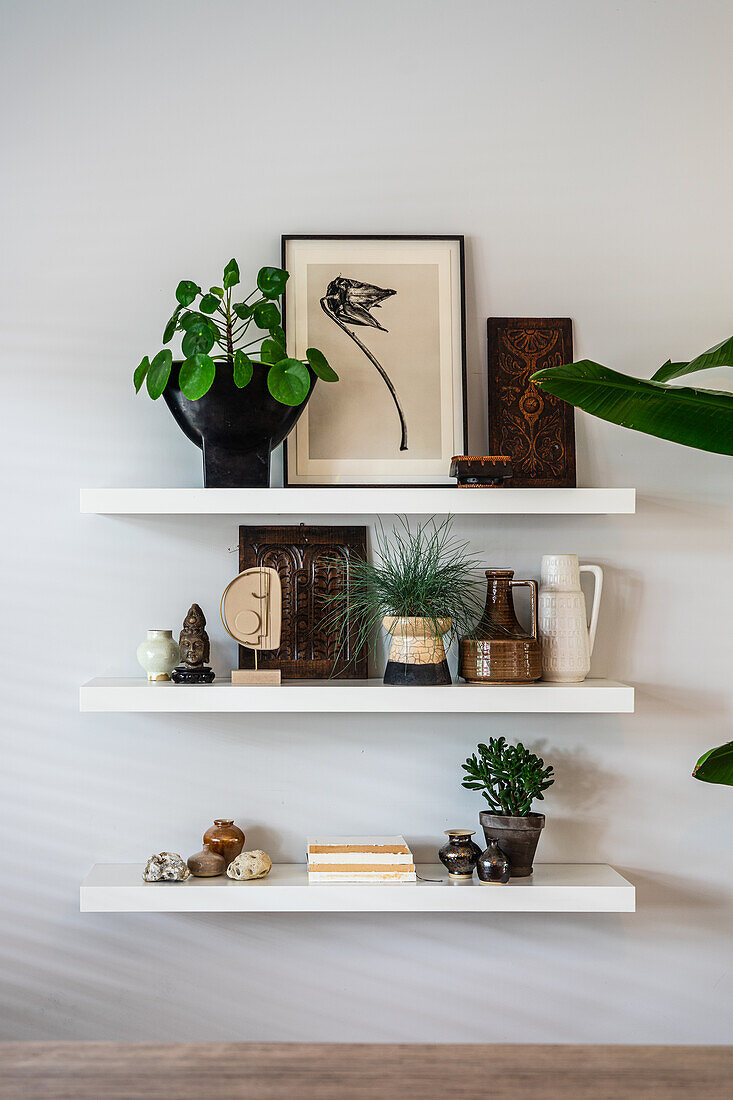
[[534, 428], [312, 562]]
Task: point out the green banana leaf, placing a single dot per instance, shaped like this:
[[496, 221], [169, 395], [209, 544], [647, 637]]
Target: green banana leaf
[[716, 765], [719, 356], [694, 417]]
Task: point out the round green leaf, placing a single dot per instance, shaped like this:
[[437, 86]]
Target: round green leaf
[[289, 382], [266, 315], [277, 334], [186, 291], [159, 373], [243, 311], [193, 320], [198, 341], [271, 282], [196, 376], [170, 328], [231, 274], [321, 366], [209, 303], [272, 351], [243, 369], [140, 371], [216, 290]]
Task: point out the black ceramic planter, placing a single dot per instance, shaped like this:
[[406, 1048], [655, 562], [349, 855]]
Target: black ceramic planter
[[236, 429], [518, 838]]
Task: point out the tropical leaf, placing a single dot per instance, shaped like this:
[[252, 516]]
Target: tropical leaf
[[694, 417], [719, 356], [716, 765]]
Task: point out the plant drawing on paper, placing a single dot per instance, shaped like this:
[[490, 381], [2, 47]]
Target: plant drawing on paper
[[350, 300]]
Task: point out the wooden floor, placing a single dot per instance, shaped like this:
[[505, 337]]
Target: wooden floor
[[321, 1071]]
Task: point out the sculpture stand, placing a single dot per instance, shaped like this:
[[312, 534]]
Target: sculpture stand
[[256, 676], [185, 675]]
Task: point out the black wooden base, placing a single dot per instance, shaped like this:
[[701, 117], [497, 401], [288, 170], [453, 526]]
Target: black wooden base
[[185, 675]]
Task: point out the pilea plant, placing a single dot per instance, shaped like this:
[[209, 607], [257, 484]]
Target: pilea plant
[[216, 335], [510, 777]]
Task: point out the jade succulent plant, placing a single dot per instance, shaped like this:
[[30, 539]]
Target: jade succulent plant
[[217, 335], [510, 777]]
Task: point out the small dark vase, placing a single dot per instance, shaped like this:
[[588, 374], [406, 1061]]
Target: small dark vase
[[225, 837], [236, 429], [492, 865], [518, 837], [459, 853]]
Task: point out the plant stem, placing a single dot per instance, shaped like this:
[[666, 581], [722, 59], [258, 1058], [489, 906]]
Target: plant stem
[[387, 380]]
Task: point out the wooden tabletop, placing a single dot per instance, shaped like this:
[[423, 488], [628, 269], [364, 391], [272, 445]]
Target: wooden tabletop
[[341, 1071]]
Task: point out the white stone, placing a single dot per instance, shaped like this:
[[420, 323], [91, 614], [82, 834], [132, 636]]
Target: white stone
[[166, 867], [248, 865]]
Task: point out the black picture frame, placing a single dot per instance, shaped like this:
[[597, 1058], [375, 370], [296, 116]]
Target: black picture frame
[[456, 238]]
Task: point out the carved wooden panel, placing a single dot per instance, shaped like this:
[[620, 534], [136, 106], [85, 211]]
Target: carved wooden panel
[[534, 428], [312, 562]]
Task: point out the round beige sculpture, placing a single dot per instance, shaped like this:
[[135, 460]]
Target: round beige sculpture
[[567, 640], [250, 865]]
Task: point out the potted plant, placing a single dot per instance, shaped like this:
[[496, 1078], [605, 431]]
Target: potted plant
[[234, 394], [421, 589], [510, 778]]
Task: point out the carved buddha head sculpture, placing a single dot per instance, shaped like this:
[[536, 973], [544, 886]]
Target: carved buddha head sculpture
[[193, 639]]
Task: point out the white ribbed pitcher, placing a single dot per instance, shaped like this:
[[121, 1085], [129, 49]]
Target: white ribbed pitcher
[[567, 640]]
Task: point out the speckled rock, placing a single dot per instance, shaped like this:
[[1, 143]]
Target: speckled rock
[[249, 865], [166, 867]]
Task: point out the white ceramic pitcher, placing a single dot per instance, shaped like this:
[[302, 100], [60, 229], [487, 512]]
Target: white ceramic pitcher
[[567, 640]]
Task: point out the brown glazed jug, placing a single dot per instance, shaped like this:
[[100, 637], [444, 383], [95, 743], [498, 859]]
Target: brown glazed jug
[[500, 651], [225, 837]]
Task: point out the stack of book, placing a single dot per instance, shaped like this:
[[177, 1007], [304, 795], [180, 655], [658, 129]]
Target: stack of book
[[360, 859]]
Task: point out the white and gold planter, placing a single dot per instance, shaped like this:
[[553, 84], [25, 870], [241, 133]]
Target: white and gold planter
[[417, 652]]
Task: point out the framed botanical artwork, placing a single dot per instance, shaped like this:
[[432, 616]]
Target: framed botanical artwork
[[388, 313]]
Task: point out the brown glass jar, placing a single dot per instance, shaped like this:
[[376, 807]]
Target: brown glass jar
[[225, 837]]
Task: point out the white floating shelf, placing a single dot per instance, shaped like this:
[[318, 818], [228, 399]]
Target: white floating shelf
[[553, 888], [365, 696], [364, 502]]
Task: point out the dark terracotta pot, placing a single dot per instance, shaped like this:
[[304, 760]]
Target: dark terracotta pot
[[236, 429], [518, 838]]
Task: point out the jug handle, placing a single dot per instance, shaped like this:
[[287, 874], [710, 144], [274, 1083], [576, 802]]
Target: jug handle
[[532, 585], [597, 589]]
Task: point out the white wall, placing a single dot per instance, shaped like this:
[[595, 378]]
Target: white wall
[[584, 149]]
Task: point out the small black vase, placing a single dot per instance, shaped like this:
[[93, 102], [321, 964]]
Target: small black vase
[[492, 865], [236, 429], [459, 853]]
